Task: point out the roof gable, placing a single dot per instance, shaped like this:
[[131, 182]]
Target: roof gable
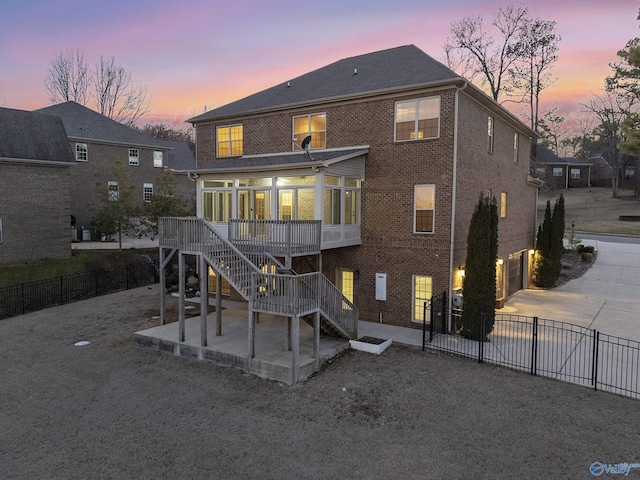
[[33, 136], [395, 68], [81, 122]]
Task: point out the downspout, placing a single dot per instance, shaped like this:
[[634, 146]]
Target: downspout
[[453, 193]]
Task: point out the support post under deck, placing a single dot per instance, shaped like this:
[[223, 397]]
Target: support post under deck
[[204, 301], [218, 305], [181, 297], [295, 350]]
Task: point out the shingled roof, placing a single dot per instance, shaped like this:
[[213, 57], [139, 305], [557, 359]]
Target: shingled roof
[[29, 136], [82, 123], [392, 69]]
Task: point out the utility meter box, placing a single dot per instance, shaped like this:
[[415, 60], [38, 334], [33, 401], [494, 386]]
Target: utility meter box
[[381, 286]]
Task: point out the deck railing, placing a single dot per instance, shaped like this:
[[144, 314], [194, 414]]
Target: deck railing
[[279, 237], [251, 273]]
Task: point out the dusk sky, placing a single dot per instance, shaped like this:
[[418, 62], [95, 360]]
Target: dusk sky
[[210, 53]]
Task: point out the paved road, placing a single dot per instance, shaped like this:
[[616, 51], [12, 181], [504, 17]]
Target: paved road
[[606, 297]]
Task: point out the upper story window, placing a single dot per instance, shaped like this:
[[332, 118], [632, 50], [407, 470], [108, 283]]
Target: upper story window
[[157, 159], [424, 208], [229, 140], [82, 152], [147, 192], [490, 134], [417, 119], [113, 191], [341, 202], [557, 171], [314, 125], [134, 156]]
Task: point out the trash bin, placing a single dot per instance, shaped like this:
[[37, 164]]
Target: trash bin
[[86, 235]]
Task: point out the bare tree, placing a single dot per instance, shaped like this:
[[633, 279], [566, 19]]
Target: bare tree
[[68, 77], [531, 75], [116, 95], [108, 88], [473, 46], [611, 108]]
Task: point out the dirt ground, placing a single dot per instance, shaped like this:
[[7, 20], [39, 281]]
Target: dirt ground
[[115, 410]]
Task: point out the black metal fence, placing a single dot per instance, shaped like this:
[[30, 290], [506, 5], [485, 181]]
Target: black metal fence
[[29, 297], [551, 348]]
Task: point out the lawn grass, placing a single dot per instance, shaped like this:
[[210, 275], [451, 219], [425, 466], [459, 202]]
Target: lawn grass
[[80, 261], [595, 210]]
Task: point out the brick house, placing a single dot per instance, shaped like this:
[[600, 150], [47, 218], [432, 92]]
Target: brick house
[[562, 173], [389, 153], [35, 169], [97, 141]]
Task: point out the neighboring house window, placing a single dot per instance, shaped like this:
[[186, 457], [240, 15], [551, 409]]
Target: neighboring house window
[[490, 134], [421, 288], [113, 191], [630, 172], [157, 159], [424, 208], [229, 140], [417, 119], [81, 152], [503, 204], [314, 125], [134, 156], [575, 173], [516, 147], [147, 192], [557, 171]]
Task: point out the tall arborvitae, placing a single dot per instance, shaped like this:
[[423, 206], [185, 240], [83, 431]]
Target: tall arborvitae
[[479, 284], [549, 246], [556, 246]]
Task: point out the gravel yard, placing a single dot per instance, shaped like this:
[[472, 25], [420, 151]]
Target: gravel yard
[[115, 410]]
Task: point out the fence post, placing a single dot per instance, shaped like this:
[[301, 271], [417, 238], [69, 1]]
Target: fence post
[[594, 360], [445, 309], [424, 324], [482, 330], [534, 347], [126, 274], [22, 297], [432, 319], [95, 276]]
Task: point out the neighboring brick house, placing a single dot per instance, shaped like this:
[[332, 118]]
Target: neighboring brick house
[[562, 173], [97, 141], [35, 165], [401, 149]]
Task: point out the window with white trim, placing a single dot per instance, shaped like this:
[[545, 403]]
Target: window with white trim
[[417, 119], [157, 159], [490, 134], [422, 287], [516, 147], [82, 152], [314, 125], [134, 156], [229, 140], [503, 204], [575, 173], [113, 191], [557, 171], [147, 192], [423, 212]]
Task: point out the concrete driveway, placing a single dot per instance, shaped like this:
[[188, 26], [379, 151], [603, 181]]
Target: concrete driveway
[[605, 298]]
